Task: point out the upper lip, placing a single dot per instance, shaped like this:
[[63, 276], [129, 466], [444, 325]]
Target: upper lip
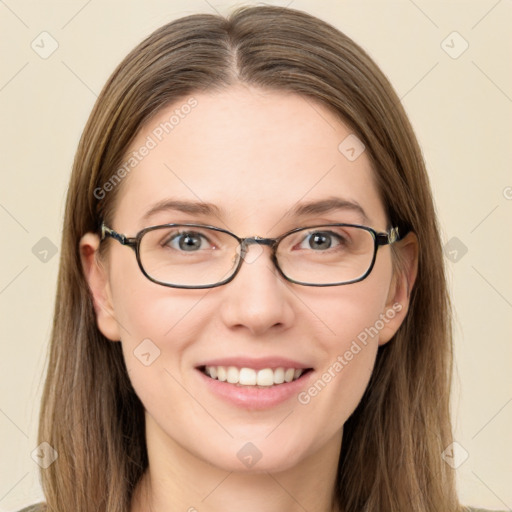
[[255, 363]]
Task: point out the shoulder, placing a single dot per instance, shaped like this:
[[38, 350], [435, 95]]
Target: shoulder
[[471, 509], [38, 507]]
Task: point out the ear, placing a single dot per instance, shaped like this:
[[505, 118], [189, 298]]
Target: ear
[[96, 274], [404, 277]]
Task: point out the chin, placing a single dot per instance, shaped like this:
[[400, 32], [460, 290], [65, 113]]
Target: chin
[[248, 457]]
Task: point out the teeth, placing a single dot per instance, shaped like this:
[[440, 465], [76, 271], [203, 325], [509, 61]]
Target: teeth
[[279, 375], [265, 377], [221, 373], [289, 374], [249, 377], [233, 375]]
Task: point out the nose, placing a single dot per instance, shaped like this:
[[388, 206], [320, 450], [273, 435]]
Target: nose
[[258, 299]]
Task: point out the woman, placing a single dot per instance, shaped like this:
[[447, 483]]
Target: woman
[[252, 310]]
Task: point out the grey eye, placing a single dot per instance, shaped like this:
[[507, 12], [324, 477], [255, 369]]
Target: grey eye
[[321, 240], [189, 241]]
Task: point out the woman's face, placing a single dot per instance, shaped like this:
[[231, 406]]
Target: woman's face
[[256, 155]]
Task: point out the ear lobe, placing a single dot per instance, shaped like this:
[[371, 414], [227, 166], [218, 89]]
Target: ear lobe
[[97, 278], [398, 300]]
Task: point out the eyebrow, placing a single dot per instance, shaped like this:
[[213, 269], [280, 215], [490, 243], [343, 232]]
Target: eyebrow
[[310, 208], [194, 208], [327, 206]]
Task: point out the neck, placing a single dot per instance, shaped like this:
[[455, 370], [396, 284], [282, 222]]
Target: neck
[[178, 480]]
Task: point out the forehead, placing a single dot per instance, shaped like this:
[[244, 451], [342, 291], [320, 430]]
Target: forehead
[[255, 155]]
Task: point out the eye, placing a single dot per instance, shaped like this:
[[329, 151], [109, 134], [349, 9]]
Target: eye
[[322, 240], [189, 241]]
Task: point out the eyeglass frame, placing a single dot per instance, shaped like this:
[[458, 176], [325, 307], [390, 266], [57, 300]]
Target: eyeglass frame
[[379, 238]]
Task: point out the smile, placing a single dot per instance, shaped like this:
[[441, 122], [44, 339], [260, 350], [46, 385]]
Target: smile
[[265, 377]]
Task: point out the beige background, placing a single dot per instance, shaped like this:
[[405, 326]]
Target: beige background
[[460, 107]]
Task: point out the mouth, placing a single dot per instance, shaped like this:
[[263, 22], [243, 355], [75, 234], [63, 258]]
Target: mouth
[[254, 378], [254, 383]]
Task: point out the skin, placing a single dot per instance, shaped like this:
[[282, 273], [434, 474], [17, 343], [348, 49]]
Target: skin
[[255, 153]]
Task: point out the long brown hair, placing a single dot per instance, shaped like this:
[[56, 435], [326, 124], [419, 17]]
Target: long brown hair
[[392, 444]]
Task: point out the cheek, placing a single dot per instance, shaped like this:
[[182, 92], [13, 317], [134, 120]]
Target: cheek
[[157, 329], [338, 384], [145, 310], [351, 312], [160, 326], [157, 326], [353, 318]]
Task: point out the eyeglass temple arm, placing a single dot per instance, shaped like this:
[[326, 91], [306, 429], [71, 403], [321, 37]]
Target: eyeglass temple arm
[[122, 239], [391, 237]]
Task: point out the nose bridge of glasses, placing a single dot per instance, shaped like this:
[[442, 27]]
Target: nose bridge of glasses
[[258, 240], [255, 240]]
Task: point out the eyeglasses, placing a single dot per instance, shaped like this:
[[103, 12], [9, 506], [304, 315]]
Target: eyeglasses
[[200, 256]]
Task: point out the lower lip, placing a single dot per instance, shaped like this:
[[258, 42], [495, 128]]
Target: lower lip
[[249, 397]]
